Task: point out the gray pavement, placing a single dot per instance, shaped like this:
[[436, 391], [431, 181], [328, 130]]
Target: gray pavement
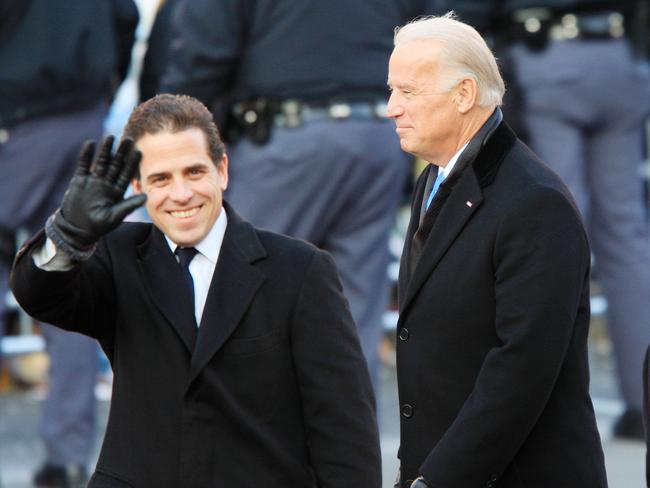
[[21, 452]]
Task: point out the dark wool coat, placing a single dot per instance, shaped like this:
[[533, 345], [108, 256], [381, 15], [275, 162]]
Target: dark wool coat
[[492, 335], [271, 391]]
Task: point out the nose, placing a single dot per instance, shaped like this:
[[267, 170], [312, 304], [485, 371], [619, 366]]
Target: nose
[[394, 108], [180, 191]]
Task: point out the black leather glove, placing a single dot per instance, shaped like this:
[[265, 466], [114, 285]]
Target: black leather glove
[[419, 483], [94, 203]]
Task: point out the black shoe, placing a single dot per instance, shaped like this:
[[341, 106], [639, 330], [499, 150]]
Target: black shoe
[[630, 426], [51, 476]]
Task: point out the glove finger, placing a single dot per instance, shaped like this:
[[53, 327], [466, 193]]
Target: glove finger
[[128, 170], [117, 161], [103, 157], [120, 210], [85, 158]]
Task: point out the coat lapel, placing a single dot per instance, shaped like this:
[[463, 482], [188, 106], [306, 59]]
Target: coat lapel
[[234, 284], [405, 261], [453, 217], [163, 278], [463, 202]]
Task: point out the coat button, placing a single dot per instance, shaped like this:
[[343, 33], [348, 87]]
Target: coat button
[[403, 334], [492, 481], [407, 411]]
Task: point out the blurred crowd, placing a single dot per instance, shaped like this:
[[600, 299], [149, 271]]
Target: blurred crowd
[[298, 89]]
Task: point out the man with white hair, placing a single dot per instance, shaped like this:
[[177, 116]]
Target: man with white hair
[[493, 288]]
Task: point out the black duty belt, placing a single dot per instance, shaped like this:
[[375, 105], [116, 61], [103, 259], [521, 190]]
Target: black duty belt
[[255, 119], [294, 113], [536, 26]]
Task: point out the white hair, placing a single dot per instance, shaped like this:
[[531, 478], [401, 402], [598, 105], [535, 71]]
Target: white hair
[[464, 54]]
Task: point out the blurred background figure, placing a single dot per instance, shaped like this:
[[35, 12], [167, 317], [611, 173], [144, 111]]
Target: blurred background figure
[[581, 70], [299, 91], [158, 50], [61, 62], [646, 412]]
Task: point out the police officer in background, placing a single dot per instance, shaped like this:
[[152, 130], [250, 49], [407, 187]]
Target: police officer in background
[[581, 68], [61, 63], [301, 88]]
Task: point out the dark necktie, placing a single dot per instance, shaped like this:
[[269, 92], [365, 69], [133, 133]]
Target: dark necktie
[[185, 256]]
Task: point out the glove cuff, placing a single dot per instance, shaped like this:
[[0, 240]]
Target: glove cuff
[[55, 229]]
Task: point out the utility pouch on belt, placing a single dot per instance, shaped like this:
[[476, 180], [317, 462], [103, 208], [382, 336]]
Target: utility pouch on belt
[[254, 119]]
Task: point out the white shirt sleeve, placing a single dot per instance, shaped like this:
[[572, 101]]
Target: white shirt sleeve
[[48, 258]]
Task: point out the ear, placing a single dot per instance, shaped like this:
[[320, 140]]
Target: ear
[[222, 170], [466, 95], [136, 185]]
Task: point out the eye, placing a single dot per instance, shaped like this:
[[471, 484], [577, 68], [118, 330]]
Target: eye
[[158, 179]]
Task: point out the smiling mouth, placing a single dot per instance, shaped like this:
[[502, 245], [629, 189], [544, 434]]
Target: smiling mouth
[[183, 214]]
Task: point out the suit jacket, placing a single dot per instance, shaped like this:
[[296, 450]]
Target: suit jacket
[[491, 350], [272, 389]]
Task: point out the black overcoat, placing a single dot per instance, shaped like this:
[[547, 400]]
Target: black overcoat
[[492, 335], [272, 391]]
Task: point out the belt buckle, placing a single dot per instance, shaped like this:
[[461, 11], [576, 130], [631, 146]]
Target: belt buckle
[[381, 110], [291, 113], [567, 28], [339, 111]]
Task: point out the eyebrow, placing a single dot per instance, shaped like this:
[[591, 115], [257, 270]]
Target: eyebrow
[[153, 176], [199, 165]]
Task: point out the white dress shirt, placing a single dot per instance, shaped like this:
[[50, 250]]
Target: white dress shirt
[[203, 264], [452, 162]]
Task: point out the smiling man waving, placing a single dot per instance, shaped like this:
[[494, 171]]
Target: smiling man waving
[[226, 341]]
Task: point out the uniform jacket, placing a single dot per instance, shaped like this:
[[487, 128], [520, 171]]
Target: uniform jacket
[[271, 391], [280, 49], [62, 56], [492, 335]]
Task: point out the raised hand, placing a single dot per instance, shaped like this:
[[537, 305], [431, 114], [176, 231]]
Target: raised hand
[[94, 203]]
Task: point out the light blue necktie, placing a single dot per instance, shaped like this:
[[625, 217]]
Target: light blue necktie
[[436, 184]]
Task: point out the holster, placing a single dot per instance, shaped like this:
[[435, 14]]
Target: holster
[[253, 119]]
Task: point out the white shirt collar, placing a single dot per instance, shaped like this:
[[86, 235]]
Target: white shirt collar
[[452, 162], [211, 243]]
